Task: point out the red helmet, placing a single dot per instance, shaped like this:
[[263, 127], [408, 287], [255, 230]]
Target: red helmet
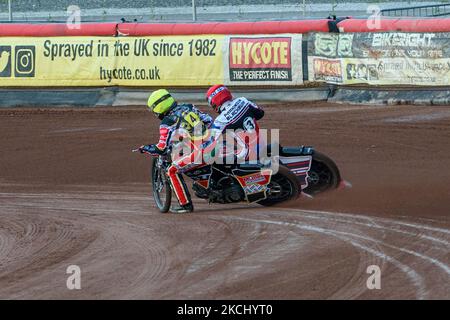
[[218, 95]]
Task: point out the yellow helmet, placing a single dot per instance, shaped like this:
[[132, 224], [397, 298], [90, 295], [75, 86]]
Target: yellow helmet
[[160, 102]]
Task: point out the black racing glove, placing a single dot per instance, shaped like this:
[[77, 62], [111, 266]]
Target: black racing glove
[[151, 148]]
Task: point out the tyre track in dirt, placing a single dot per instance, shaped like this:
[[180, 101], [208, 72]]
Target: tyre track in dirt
[[237, 250], [74, 194]]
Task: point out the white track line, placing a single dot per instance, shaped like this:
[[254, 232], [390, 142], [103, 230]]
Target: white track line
[[424, 257], [362, 216], [416, 279], [375, 225], [326, 216], [415, 118]]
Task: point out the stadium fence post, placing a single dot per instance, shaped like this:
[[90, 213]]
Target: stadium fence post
[[10, 10], [194, 11]]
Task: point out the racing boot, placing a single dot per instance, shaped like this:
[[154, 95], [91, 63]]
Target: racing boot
[[182, 209]]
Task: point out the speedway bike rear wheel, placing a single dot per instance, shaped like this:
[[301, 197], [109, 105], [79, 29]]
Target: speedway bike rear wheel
[[324, 174], [283, 186]]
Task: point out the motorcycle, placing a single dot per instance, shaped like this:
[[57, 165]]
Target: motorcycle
[[301, 170]]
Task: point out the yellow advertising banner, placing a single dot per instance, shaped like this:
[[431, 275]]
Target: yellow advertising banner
[[197, 60], [107, 61]]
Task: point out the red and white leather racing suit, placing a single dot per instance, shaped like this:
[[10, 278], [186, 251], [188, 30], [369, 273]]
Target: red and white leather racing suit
[[238, 121], [238, 115], [183, 116]]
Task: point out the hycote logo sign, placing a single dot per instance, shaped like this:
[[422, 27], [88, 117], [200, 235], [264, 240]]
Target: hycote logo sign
[[260, 59]]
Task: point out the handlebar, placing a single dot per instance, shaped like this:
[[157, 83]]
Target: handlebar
[[138, 150], [168, 150]]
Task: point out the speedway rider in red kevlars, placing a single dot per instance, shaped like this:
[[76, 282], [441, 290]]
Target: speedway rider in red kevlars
[[173, 117], [236, 117]]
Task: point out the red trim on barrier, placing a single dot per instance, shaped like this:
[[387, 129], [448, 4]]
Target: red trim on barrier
[[228, 28], [406, 25], [56, 29]]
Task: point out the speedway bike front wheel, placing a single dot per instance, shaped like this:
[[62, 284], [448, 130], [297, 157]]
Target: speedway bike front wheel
[[162, 192]]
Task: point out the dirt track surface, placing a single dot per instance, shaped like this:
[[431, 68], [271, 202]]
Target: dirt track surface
[[72, 193]]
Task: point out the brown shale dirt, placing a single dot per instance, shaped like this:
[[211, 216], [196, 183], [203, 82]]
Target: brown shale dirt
[[72, 193]]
